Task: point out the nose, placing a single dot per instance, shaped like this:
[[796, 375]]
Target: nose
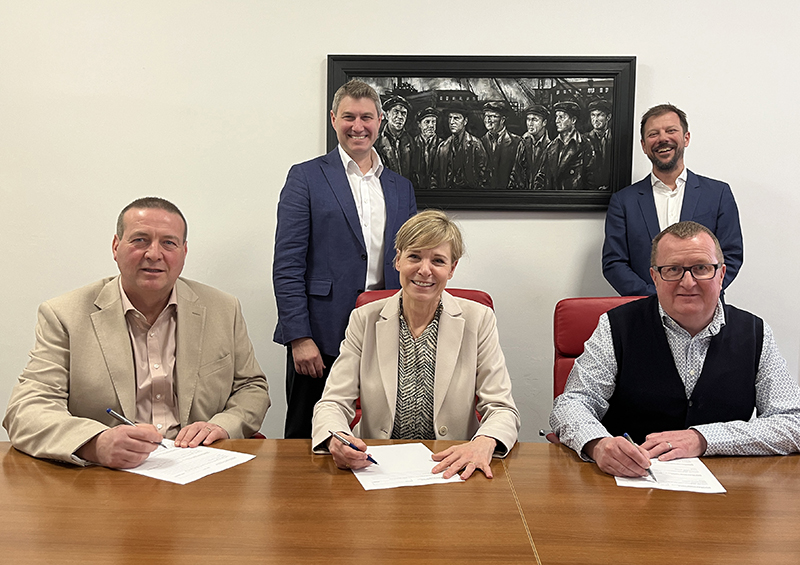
[[153, 252], [688, 280], [424, 268]]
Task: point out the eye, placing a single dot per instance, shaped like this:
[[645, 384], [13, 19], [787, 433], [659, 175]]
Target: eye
[[673, 270]]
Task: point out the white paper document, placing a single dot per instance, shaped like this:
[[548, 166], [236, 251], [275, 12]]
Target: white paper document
[[401, 465], [182, 465], [689, 475]]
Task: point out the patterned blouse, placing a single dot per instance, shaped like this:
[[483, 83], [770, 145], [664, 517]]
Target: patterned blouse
[[413, 418]]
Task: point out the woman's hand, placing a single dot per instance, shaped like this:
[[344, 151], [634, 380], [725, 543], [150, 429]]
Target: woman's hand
[[476, 454], [345, 456]]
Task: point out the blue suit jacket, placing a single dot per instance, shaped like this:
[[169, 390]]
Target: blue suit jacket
[[320, 262], [632, 223]]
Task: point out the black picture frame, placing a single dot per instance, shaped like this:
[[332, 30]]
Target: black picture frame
[[508, 81]]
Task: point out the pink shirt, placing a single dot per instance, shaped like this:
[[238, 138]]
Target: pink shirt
[[154, 362]]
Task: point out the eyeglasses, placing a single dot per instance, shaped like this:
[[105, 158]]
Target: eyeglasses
[[672, 273]]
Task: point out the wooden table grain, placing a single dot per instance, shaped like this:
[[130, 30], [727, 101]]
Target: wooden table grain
[[284, 506], [577, 514]]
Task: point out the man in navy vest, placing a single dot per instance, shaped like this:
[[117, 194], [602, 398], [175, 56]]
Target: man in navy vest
[[680, 372]]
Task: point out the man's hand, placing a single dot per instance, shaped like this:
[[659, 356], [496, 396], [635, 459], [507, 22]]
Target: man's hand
[[200, 432], [307, 359], [619, 457], [345, 456], [675, 445], [475, 454], [121, 447]]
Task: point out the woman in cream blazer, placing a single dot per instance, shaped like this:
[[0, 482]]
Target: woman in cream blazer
[[468, 361]]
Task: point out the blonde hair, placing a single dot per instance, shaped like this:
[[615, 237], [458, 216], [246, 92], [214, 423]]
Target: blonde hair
[[428, 229]]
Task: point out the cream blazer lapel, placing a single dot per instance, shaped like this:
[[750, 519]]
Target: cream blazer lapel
[[188, 347], [387, 346], [115, 345], [448, 348]]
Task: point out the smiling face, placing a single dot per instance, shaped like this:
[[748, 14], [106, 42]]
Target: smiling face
[[357, 123], [664, 142], [424, 273], [689, 302], [150, 255]]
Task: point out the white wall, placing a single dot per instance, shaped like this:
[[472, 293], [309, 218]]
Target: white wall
[[209, 103]]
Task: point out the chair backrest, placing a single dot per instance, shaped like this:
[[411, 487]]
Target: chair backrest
[[475, 295], [574, 321]]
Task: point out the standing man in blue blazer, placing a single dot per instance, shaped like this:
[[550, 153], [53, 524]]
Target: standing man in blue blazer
[[671, 193], [337, 218]]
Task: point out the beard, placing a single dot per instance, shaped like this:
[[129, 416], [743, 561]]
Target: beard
[[667, 166]]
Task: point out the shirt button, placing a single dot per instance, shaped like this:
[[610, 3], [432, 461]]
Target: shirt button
[[159, 426], [152, 334], [691, 403], [442, 430], [155, 365], [691, 372], [158, 397]]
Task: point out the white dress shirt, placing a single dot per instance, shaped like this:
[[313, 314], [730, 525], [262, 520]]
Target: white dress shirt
[[668, 201], [368, 195]]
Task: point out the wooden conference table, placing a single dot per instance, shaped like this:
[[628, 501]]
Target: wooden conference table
[[289, 506]]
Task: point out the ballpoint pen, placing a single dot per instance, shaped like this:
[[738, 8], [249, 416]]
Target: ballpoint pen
[[124, 420], [633, 443], [344, 441]]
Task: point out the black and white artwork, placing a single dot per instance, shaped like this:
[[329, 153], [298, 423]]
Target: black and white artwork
[[502, 132]]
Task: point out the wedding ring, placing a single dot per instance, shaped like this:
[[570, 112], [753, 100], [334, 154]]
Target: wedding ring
[[670, 445]]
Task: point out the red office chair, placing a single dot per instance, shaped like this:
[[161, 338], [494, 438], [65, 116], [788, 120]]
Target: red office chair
[[574, 321], [372, 295]]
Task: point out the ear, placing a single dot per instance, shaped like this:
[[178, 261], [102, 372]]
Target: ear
[[686, 137], [644, 149], [654, 276], [452, 270], [114, 245], [333, 119], [397, 261]]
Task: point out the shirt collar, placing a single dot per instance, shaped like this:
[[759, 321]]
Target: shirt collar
[[127, 305], [352, 167], [713, 328], [656, 183]]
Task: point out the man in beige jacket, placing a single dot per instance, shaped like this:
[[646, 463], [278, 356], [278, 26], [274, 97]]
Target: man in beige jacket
[[171, 355]]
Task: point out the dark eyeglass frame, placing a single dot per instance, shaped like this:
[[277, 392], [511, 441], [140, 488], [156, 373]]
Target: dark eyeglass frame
[[690, 270]]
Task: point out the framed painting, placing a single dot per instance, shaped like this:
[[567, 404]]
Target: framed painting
[[501, 133]]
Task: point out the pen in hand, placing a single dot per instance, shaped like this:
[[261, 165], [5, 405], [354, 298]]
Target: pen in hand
[[633, 443], [124, 420], [344, 441]]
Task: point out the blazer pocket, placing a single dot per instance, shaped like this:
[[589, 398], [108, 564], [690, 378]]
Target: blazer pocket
[[318, 287], [215, 366]]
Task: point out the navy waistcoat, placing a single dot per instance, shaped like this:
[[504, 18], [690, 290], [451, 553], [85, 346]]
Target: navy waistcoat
[[650, 396]]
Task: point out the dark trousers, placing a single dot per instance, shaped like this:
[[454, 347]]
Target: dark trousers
[[302, 393]]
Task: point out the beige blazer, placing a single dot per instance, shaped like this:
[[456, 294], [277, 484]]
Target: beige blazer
[[82, 363], [469, 362]]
